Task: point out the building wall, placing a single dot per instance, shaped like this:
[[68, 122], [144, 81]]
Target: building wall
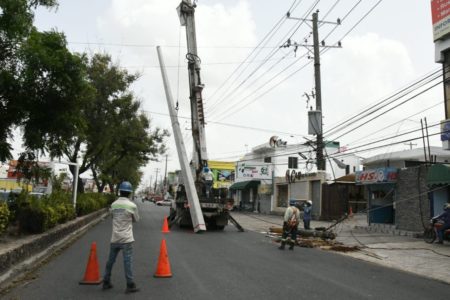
[[265, 203], [410, 209]]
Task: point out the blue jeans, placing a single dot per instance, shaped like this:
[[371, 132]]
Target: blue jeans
[[441, 231], [127, 252]]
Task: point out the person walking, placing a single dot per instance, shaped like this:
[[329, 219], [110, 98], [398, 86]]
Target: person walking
[[290, 226], [307, 214], [124, 213]]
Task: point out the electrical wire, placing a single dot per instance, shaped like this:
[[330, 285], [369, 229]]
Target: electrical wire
[[268, 36], [271, 54], [271, 88], [401, 93]]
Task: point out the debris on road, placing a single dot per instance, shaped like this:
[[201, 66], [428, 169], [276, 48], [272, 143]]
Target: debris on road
[[322, 239]]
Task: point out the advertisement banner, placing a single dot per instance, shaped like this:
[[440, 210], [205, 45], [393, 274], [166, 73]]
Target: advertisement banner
[[440, 15], [252, 170], [380, 175], [223, 173]]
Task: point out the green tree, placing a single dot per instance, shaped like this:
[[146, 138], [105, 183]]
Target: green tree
[[115, 131], [16, 24]]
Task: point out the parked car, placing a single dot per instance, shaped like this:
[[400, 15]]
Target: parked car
[[164, 202], [37, 194]]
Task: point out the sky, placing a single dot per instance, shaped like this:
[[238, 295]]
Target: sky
[[252, 93]]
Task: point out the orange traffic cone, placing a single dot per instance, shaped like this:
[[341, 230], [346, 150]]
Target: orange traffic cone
[[163, 269], [92, 274], [165, 228], [350, 212]]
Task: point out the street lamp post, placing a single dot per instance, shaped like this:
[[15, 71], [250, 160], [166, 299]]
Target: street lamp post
[[75, 185]]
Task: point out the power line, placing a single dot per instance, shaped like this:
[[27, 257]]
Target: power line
[[274, 29], [271, 54], [164, 46], [271, 88], [229, 125], [377, 103], [395, 123], [403, 102]]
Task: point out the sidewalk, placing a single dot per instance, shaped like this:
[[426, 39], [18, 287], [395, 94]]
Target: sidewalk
[[378, 244]]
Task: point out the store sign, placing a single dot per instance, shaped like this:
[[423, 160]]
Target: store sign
[[248, 171], [381, 175], [223, 173], [440, 15], [445, 130]]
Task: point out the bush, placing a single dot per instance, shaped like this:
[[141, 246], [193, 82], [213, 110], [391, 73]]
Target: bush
[[62, 203], [15, 203], [38, 215], [4, 217], [90, 202]]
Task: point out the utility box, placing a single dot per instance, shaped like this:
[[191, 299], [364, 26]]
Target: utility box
[[314, 122]]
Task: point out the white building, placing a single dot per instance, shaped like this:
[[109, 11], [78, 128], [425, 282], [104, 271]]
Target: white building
[[283, 173]]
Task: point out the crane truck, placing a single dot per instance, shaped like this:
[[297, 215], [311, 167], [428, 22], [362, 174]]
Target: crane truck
[[193, 205]]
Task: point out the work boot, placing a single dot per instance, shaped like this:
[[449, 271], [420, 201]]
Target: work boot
[[282, 246], [131, 288], [107, 285]]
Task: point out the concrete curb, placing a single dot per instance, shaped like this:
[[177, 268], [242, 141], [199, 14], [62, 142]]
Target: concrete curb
[[24, 255]]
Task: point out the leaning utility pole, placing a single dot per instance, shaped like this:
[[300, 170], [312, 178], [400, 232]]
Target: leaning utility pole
[[318, 96], [192, 196]]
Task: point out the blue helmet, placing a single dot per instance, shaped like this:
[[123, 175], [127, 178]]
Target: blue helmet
[[125, 186]]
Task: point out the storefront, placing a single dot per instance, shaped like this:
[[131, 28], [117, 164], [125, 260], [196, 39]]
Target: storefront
[[253, 182], [380, 187], [438, 180]]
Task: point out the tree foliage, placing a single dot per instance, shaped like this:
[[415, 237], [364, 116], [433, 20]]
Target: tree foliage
[[69, 105], [116, 132], [16, 26]]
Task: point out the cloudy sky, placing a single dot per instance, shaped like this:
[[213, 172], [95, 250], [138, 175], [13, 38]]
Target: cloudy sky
[[252, 93]]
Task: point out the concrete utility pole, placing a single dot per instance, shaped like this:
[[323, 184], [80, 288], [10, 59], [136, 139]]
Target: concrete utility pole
[[319, 148], [165, 176], [192, 196], [156, 177], [316, 52]]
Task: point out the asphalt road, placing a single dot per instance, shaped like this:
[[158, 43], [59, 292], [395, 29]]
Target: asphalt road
[[221, 265]]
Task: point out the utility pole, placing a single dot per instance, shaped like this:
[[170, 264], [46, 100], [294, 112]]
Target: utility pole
[[319, 149], [410, 144], [318, 96], [165, 176], [156, 177]]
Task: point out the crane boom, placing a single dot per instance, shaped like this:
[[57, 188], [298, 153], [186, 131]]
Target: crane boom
[[186, 11]]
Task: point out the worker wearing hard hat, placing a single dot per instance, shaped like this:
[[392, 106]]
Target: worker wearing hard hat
[[307, 207]]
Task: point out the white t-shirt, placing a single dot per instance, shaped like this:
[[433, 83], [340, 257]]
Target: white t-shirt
[[124, 213]]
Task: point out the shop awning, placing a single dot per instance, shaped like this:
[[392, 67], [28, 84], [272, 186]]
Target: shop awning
[[438, 174], [244, 185]]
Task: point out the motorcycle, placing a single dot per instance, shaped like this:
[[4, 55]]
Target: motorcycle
[[430, 233]]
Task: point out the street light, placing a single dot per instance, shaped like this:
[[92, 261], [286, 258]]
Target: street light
[[75, 188]]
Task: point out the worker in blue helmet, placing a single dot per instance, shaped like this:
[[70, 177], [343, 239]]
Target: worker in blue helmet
[[124, 213], [208, 178]]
